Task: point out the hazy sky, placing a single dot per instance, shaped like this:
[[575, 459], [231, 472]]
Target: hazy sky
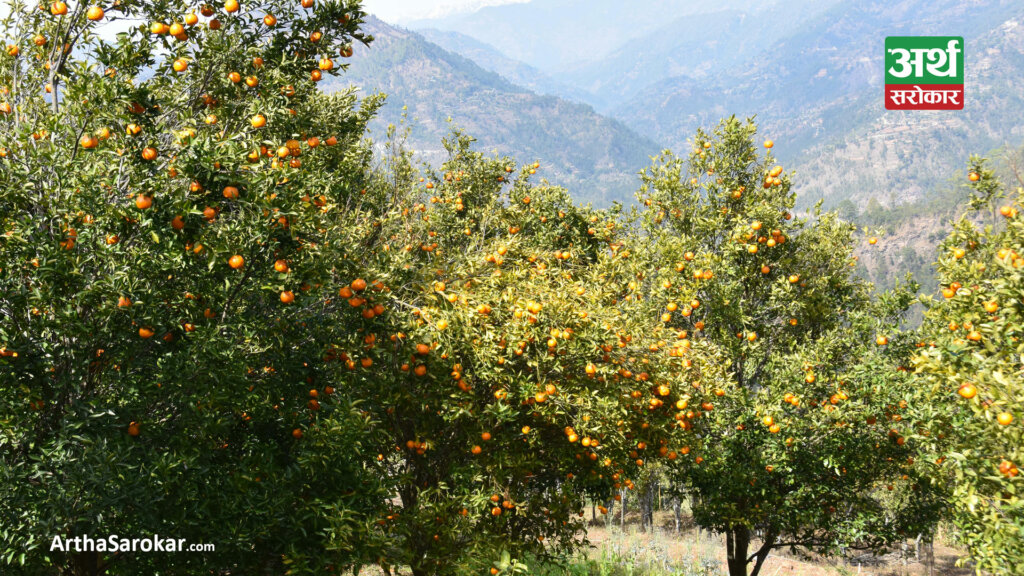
[[406, 10]]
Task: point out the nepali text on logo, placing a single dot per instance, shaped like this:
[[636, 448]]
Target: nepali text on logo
[[924, 73]]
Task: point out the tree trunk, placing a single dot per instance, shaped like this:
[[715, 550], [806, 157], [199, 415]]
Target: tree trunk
[[737, 544], [677, 513], [622, 518], [87, 564], [647, 505], [762, 553]]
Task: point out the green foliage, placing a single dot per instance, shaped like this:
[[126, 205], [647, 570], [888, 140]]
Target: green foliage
[[499, 384], [803, 443], [972, 368], [148, 387], [222, 322]]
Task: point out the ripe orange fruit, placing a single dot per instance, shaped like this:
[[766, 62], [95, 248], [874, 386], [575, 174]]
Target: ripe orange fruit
[[486, 436], [476, 450], [296, 433], [968, 390], [88, 141], [252, 81], [496, 511], [58, 8], [231, 6], [123, 302], [94, 13], [143, 202], [230, 192], [133, 429], [768, 143], [287, 297], [326, 64], [872, 240], [180, 65], [358, 284], [1008, 468], [215, 24], [281, 266], [176, 29], [259, 121], [236, 261], [149, 153], [191, 19], [235, 77], [974, 177], [270, 20], [146, 333], [1004, 418], [881, 340]]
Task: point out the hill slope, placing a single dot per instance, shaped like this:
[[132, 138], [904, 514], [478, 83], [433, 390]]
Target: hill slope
[[699, 46], [596, 157], [552, 34], [818, 92], [490, 59]]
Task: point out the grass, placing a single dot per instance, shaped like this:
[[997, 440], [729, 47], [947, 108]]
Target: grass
[[631, 553]]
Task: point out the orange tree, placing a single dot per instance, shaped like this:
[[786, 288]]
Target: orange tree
[[815, 424], [511, 372], [972, 366], [170, 199]]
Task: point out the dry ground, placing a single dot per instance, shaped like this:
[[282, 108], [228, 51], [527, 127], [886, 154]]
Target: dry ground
[[694, 548], [699, 548]]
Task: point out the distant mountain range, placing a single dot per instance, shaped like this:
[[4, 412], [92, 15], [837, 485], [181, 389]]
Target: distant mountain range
[[553, 34], [818, 92], [811, 71], [595, 156], [592, 88]]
